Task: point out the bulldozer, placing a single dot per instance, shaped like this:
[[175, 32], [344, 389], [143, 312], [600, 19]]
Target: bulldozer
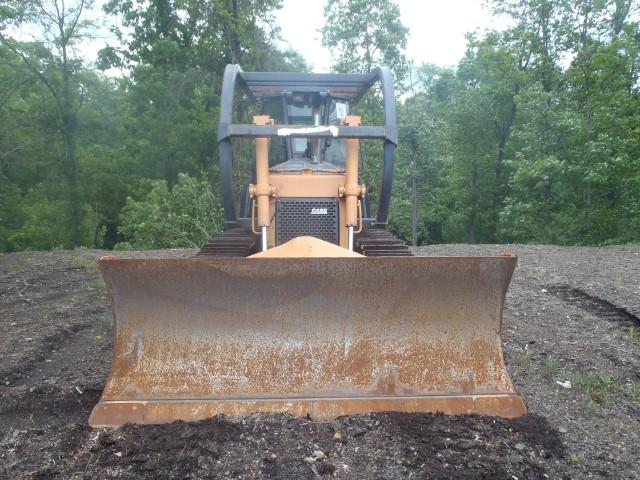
[[305, 303]]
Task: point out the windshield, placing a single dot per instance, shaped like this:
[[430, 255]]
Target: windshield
[[308, 108]]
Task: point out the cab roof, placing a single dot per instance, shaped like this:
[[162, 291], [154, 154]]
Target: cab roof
[[346, 86]]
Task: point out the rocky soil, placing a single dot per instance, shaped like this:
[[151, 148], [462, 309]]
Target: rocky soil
[[572, 343]]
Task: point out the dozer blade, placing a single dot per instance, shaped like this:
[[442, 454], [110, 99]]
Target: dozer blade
[[318, 337]]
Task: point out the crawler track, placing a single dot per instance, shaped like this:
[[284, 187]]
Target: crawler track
[[239, 243], [230, 243]]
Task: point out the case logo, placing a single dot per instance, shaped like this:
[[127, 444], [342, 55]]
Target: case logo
[[318, 211]]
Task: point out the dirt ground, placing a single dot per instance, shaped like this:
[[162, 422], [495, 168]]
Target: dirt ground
[[571, 338]]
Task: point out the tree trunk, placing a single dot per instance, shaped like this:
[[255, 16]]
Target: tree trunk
[[589, 220], [68, 138], [71, 177], [414, 203], [236, 47], [585, 58], [473, 197], [502, 144]]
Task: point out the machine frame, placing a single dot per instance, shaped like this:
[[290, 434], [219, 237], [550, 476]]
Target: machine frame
[[260, 85]]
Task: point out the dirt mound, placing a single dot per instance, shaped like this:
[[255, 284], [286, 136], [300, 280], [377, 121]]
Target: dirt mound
[[390, 445], [373, 446]]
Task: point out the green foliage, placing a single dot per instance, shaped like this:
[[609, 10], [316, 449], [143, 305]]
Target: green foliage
[[50, 62], [84, 263], [35, 221], [522, 146], [533, 137], [599, 387], [551, 367], [575, 457], [363, 34], [603, 389], [97, 284], [183, 216], [154, 122], [524, 363]]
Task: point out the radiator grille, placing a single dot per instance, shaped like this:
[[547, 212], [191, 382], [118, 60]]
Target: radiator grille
[[316, 217]]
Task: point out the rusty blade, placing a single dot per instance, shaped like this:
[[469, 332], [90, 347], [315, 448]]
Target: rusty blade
[[199, 336]]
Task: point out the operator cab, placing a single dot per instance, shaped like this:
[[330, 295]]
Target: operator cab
[[306, 179], [320, 155]]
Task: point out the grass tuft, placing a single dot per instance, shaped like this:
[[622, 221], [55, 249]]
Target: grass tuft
[[97, 284], [603, 389], [523, 362], [551, 367], [84, 263], [599, 387]]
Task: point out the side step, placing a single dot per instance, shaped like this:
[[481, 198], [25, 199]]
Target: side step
[[231, 243], [380, 243]]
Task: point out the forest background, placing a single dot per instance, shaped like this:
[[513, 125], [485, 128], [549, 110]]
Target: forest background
[[534, 137]]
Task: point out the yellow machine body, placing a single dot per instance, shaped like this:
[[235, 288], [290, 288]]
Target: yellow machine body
[[306, 327]]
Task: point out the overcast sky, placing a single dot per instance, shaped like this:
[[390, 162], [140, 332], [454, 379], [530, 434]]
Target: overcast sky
[[436, 29]]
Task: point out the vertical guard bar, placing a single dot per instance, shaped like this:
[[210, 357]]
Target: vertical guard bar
[[225, 154], [383, 74], [285, 114], [386, 82], [232, 75], [387, 180]]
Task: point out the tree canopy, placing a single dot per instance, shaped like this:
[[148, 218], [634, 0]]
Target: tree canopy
[[534, 136]]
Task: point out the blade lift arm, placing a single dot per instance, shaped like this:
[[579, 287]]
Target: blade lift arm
[[351, 191], [262, 190]]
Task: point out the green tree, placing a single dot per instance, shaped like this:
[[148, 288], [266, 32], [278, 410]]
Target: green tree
[[423, 161], [572, 151], [51, 62], [363, 34], [477, 116], [533, 137], [176, 53], [182, 216]]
